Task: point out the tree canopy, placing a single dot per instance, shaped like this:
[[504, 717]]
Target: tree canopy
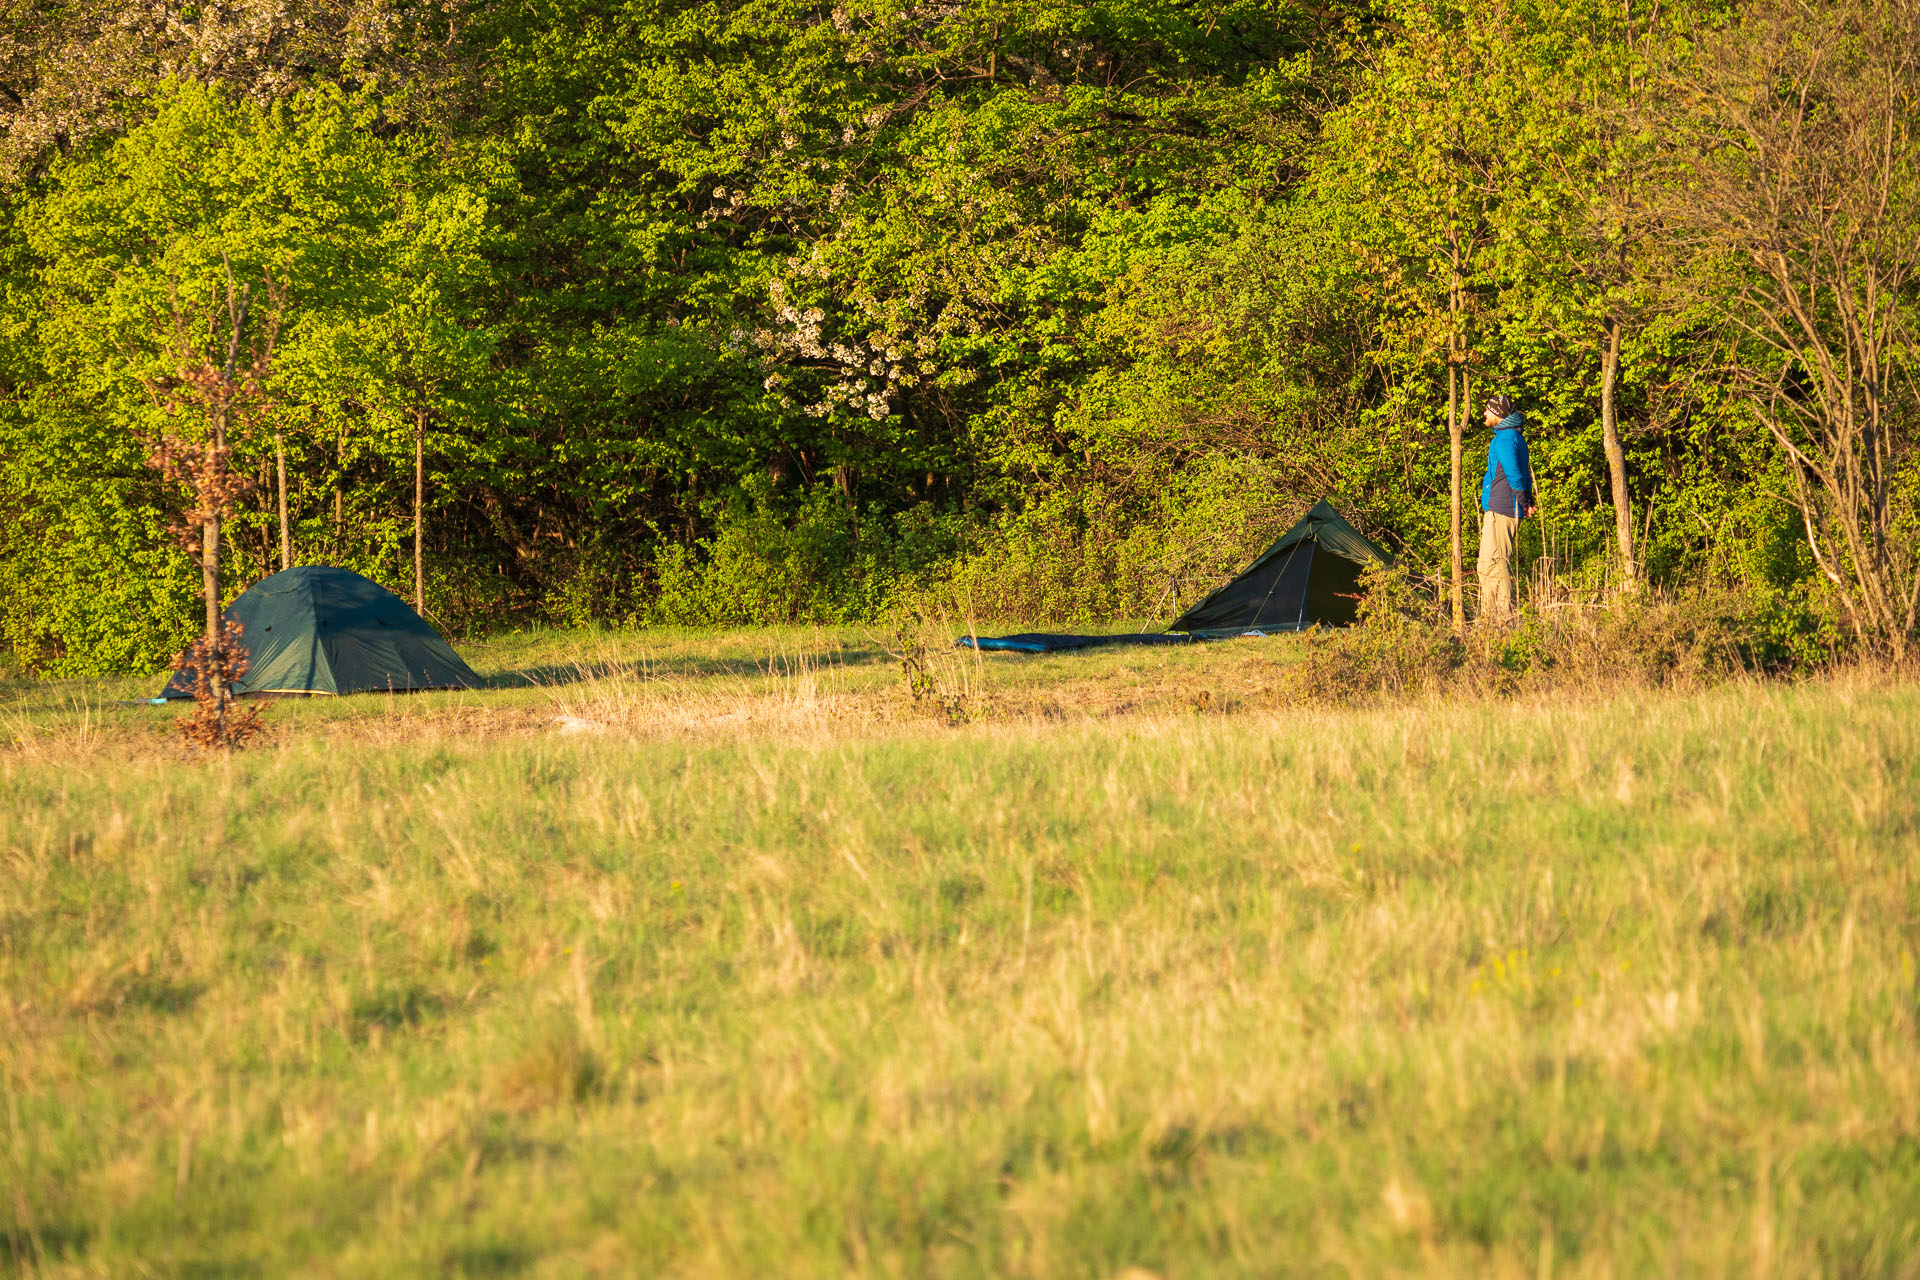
[[756, 310]]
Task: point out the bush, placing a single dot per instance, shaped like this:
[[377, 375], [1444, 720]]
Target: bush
[[1403, 647], [1095, 552], [814, 558]]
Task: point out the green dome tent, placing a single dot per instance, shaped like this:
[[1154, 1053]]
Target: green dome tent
[[321, 630], [1311, 574]]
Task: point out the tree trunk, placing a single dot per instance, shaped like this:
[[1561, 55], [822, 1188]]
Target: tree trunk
[[280, 465], [1617, 457], [1455, 430], [1460, 459], [339, 492], [210, 572], [419, 502]]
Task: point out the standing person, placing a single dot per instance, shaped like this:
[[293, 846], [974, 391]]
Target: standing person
[[1506, 496]]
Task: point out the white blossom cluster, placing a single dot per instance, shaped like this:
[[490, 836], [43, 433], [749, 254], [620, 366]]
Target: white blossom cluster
[[730, 203], [865, 373]]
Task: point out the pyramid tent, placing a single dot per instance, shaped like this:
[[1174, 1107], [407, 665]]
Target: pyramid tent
[[1310, 575], [321, 630]]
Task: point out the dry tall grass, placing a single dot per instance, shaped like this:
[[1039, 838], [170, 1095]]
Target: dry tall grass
[[793, 691], [1616, 987]]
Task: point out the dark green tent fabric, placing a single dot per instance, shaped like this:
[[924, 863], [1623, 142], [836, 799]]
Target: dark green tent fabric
[[1311, 574], [317, 629]]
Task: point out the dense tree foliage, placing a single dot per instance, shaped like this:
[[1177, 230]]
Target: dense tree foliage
[[728, 310]]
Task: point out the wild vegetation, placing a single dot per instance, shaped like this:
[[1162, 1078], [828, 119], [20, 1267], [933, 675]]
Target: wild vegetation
[[727, 954], [723, 311], [705, 366]]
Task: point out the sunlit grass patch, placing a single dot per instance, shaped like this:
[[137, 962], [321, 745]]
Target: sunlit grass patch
[[1614, 985]]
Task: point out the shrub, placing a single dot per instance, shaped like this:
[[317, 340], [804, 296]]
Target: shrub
[[1403, 646], [814, 558], [1099, 551]]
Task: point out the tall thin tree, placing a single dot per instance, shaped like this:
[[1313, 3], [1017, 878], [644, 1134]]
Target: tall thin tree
[[280, 477], [208, 392], [419, 509]]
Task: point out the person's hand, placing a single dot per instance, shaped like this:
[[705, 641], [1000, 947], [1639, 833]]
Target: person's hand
[[1531, 510]]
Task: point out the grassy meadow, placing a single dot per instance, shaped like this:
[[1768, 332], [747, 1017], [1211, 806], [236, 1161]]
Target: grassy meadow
[[689, 954]]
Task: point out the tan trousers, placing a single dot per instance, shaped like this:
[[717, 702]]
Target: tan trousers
[[1497, 535]]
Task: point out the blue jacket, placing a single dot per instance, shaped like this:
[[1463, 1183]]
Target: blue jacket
[[1508, 487]]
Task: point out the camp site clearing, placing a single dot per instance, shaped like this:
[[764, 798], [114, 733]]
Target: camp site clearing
[[722, 953]]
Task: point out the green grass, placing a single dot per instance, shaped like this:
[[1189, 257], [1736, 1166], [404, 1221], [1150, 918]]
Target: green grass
[[738, 964]]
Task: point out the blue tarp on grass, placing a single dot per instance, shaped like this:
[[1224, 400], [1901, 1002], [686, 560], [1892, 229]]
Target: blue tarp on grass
[[1043, 642]]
